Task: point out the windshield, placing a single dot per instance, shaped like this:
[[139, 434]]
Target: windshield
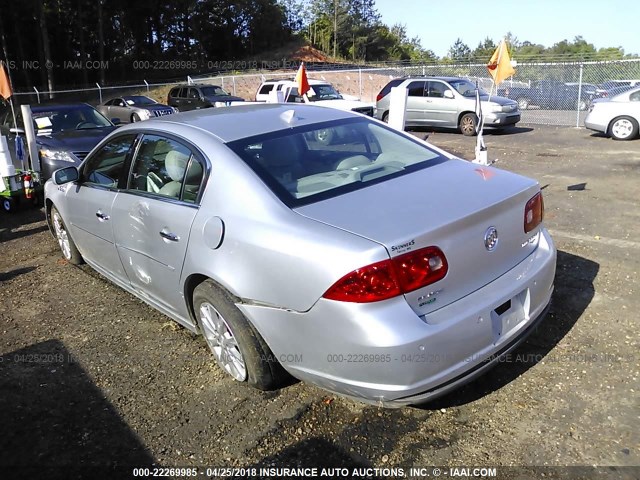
[[213, 91], [63, 119], [323, 92], [139, 100], [466, 88], [312, 163]]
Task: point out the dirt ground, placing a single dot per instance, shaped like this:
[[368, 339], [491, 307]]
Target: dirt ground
[[92, 377]]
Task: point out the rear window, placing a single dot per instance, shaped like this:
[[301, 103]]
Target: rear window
[[266, 89], [312, 163], [387, 88]]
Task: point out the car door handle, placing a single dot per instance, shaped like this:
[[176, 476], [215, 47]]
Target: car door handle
[[102, 216], [169, 236]]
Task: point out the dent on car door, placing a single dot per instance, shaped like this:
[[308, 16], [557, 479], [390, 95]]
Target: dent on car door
[[153, 217], [88, 205]]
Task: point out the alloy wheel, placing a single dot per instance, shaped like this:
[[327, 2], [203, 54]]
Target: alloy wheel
[[62, 235], [222, 342]]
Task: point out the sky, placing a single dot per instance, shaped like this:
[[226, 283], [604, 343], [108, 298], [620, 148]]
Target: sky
[[439, 24]]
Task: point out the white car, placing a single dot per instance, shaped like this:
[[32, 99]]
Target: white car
[[618, 116], [322, 94]]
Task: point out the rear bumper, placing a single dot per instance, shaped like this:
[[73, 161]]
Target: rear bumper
[[383, 353], [592, 122]]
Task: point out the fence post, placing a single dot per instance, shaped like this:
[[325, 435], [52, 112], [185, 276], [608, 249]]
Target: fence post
[[424, 72], [360, 82], [37, 93], [579, 97], [189, 81], [234, 84], [99, 91], [147, 84]]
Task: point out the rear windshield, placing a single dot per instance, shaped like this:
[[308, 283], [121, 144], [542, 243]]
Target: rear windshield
[[307, 164]]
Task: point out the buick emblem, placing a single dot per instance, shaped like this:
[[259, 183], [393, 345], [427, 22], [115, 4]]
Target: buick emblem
[[491, 238]]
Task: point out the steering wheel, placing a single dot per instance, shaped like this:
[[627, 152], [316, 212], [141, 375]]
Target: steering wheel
[[82, 125]]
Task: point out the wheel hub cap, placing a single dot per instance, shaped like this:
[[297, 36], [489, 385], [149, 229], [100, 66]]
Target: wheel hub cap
[[61, 235]]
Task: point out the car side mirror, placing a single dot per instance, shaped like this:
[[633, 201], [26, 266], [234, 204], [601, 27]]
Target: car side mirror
[[19, 131], [65, 175], [448, 94], [116, 121]]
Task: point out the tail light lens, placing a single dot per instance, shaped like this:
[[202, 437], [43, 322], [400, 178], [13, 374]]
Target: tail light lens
[[379, 97], [390, 278], [533, 212]]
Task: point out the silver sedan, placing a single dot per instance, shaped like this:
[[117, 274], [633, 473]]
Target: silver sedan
[[134, 108], [618, 116], [373, 265]]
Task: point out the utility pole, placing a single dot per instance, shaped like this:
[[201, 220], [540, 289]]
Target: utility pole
[[335, 27]]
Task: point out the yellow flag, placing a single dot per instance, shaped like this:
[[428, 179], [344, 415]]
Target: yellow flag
[[500, 64], [5, 84]]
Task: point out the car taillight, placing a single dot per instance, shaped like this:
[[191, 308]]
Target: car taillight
[[533, 212], [379, 97], [390, 278]]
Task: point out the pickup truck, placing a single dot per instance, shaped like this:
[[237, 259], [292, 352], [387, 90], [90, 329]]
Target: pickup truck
[[549, 94]]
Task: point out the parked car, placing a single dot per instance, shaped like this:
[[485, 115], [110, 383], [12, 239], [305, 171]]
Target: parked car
[[376, 267], [322, 94], [197, 96], [549, 94], [588, 88], [265, 88], [134, 108], [448, 102], [617, 116], [65, 133]]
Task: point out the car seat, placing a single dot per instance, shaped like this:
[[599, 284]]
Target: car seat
[[175, 164]]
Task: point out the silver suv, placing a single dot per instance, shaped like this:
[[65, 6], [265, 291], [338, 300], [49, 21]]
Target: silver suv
[[448, 102]]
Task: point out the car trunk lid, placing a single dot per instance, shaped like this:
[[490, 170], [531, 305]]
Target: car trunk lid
[[451, 205]]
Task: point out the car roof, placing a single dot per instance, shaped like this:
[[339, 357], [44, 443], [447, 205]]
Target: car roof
[[242, 121], [196, 85], [43, 107], [435, 77]]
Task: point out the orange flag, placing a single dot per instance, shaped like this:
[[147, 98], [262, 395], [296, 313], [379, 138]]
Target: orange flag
[[500, 64], [5, 84], [302, 81]]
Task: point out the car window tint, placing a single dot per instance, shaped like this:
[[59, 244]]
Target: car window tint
[[265, 89], [416, 89], [305, 164], [161, 167], [635, 96], [105, 166], [436, 89], [193, 93]]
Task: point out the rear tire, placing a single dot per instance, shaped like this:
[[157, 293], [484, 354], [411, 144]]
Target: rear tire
[[237, 347], [468, 124], [523, 103], [385, 117], [135, 118], [69, 250], [623, 128]]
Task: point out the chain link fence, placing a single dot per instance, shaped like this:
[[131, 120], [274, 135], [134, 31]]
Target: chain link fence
[[548, 93]]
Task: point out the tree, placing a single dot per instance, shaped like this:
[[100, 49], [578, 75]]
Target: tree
[[459, 51], [484, 50]]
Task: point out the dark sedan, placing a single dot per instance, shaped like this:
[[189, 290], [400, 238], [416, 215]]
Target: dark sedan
[[65, 134], [197, 96]]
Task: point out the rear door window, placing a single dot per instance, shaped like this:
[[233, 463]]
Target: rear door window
[[416, 89]]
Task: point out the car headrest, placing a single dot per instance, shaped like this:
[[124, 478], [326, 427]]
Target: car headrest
[[176, 163]]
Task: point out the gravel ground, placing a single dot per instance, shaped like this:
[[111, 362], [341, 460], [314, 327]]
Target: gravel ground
[[90, 376]]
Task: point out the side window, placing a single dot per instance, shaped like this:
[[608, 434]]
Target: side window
[[266, 89], [635, 96], [436, 89], [167, 168], [193, 93], [106, 166], [416, 89]]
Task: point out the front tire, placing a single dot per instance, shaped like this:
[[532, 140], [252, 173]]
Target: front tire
[[135, 118], [69, 250], [468, 124], [9, 204], [623, 128], [237, 347]]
